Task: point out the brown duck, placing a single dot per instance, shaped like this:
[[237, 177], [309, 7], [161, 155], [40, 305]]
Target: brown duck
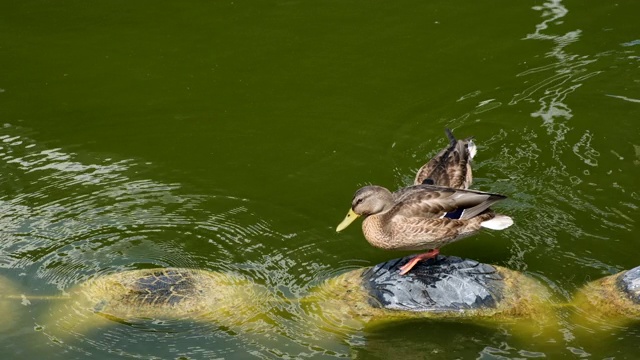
[[422, 217], [416, 218]]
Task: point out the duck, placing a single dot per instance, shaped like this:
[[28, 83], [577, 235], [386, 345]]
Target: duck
[[448, 170], [421, 217], [451, 167]]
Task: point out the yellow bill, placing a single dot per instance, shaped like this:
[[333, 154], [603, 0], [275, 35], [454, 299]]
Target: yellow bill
[[351, 216]]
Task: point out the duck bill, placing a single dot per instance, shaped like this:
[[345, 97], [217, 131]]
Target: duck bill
[[351, 216]]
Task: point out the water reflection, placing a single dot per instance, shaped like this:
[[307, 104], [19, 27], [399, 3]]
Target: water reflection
[[568, 72], [557, 180]]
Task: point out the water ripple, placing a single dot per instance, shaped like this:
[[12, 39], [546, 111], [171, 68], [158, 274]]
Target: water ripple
[[69, 218]]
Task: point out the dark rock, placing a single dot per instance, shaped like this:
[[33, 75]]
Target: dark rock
[[447, 283]]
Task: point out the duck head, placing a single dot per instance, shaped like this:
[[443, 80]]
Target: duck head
[[369, 200]]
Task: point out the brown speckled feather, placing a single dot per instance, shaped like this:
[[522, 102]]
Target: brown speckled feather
[[419, 233], [434, 201], [451, 167]]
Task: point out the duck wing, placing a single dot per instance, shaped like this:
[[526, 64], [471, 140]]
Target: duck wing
[[430, 201]]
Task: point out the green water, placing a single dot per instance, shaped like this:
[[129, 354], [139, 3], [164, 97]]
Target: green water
[[230, 136]]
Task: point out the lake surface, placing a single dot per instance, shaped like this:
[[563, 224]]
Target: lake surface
[[230, 136]]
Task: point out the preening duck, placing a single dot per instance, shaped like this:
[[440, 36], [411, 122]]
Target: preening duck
[[451, 167]]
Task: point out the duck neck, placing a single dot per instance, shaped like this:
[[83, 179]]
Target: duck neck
[[375, 232]]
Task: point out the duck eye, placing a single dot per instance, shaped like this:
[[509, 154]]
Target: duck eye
[[359, 201]]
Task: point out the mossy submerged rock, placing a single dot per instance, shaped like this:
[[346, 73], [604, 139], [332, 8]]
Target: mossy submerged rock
[[629, 284], [11, 302], [166, 293], [613, 299], [442, 288], [154, 293], [446, 287], [149, 296]]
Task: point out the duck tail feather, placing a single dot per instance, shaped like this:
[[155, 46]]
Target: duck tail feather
[[452, 139], [499, 222], [471, 147]]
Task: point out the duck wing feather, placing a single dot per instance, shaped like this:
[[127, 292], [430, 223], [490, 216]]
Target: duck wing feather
[[430, 201]]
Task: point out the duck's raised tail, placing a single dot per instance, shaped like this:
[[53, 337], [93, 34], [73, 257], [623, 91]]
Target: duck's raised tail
[[453, 142], [452, 139]]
